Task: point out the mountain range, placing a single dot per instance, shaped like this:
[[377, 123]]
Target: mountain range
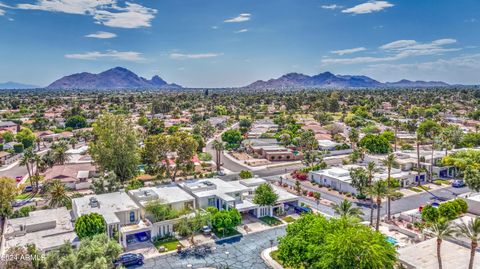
[[115, 78], [10, 85], [329, 80], [122, 78]]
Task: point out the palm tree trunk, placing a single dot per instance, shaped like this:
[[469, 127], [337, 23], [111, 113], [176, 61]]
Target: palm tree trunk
[[371, 211], [418, 162], [377, 225], [389, 200], [472, 254], [395, 141], [431, 161], [439, 257], [29, 174]]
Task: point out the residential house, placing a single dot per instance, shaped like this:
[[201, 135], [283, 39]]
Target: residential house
[[11, 126]]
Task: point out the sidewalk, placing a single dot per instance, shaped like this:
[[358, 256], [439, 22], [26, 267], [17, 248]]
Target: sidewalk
[[269, 260]]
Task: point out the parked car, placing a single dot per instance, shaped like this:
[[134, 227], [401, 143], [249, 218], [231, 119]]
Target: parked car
[[18, 178], [206, 230], [458, 183], [27, 189], [19, 203], [142, 237], [129, 259]]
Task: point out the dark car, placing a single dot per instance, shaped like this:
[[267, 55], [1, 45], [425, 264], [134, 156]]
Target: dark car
[[27, 189], [458, 183], [206, 230], [142, 237], [129, 259]]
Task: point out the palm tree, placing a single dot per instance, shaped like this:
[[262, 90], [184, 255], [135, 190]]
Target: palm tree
[[57, 194], [396, 125], [73, 141], [218, 147], [26, 160], [60, 152], [371, 170], [378, 191], [471, 230], [418, 141], [346, 209], [441, 229], [390, 161], [317, 196]]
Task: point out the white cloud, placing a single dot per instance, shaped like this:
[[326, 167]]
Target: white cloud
[[400, 49], [106, 12], [110, 54], [461, 69], [240, 18], [332, 6], [348, 51], [368, 7], [214, 27], [130, 16], [241, 31], [2, 12], [102, 35], [182, 56]]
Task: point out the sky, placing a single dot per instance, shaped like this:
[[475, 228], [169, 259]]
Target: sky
[[229, 43]]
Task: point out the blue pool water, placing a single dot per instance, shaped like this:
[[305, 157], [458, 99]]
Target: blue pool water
[[392, 240]]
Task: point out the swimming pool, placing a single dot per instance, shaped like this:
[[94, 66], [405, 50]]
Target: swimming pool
[[392, 240]]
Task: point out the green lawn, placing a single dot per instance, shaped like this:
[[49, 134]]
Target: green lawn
[[415, 189], [288, 219], [170, 243], [271, 221], [442, 181], [220, 234]]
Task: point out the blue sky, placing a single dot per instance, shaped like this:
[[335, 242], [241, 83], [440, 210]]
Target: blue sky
[[216, 43]]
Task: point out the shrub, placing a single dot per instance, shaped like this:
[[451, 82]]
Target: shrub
[[18, 148], [449, 210], [462, 205], [430, 213]]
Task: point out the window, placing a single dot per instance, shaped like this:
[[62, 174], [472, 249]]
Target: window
[[132, 216], [211, 201]]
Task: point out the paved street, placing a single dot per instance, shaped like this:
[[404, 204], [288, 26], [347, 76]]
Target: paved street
[[241, 254]]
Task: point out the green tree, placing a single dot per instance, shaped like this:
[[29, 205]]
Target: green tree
[[8, 191], [225, 221], [115, 146], [90, 225], [159, 211], [265, 195], [106, 183], [375, 144], [313, 158], [26, 137], [430, 214], [7, 136], [60, 154], [57, 194], [315, 242], [353, 136], [345, 209], [470, 230], [189, 226], [185, 147], [76, 122], [360, 179], [244, 174], [232, 137]]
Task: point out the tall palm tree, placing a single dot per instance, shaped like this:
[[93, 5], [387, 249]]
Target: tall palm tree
[[378, 191], [346, 209], [218, 147], [441, 229], [60, 152], [471, 230], [73, 141], [396, 125], [371, 170], [418, 141], [26, 160], [57, 194], [390, 161]]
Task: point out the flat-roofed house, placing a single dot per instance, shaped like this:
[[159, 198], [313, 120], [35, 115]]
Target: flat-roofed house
[[120, 212], [170, 195], [49, 229]]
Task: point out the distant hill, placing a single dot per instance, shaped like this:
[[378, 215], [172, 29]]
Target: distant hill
[[115, 78], [418, 83], [15, 85], [329, 80]]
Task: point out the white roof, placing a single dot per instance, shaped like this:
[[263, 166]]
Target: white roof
[[52, 227], [424, 255], [108, 205], [213, 186], [325, 143], [168, 194]]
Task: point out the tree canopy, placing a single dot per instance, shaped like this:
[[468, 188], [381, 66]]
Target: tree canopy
[[265, 195], [90, 225]]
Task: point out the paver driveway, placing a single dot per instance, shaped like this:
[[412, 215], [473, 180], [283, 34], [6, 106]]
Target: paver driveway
[[243, 253]]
